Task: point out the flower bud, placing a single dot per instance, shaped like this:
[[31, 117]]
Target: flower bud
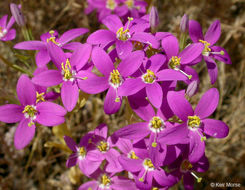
[[184, 23], [192, 88], [17, 14], [154, 18]]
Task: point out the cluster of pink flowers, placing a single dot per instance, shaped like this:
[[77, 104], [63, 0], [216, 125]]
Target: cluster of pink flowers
[[131, 63]]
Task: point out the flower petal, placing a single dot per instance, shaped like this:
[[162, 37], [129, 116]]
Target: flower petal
[[48, 78], [11, 34], [113, 23], [170, 45], [223, 58], [31, 45], [94, 84], [50, 107], [101, 37], [132, 165], [154, 93], [188, 181], [113, 163], [72, 160], [70, 143], [111, 106], [208, 103], [81, 56], [191, 52], [3, 21], [93, 166], [26, 91], [179, 105], [11, 113], [42, 58], [71, 34], [23, 134], [146, 38], [215, 128], [91, 184], [135, 131], [212, 69], [213, 33], [170, 75], [69, 95], [134, 60], [130, 86], [195, 31], [102, 61], [124, 48]]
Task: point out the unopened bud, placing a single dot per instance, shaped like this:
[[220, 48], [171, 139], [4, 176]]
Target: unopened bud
[[154, 18], [192, 88], [17, 14], [184, 23]]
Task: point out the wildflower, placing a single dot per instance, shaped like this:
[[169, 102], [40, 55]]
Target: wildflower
[[81, 155], [210, 51], [149, 79], [121, 36], [113, 77], [196, 121], [69, 73], [42, 57], [6, 33], [17, 14], [29, 113], [104, 180]]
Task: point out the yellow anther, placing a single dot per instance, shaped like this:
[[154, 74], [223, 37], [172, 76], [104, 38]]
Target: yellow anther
[[52, 38], [103, 146], [206, 44], [30, 123], [194, 121], [39, 97], [115, 78], [130, 4], [111, 4], [141, 179], [149, 77], [82, 151], [148, 163], [156, 123], [199, 179], [117, 99], [124, 35], [67, 70], [155, 188], [203, 138], [222, 52], [186, 165], [174, 62], [105, 180], [154, 144], [30, 111], [133, 155]]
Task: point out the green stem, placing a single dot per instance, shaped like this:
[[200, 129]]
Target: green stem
[[16, 67]]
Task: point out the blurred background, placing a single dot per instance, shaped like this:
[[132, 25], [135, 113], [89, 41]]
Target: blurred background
[[41, 165]]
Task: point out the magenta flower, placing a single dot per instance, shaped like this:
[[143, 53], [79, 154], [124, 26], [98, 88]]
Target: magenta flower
[[150, 78], [181, 61], [30, 112], [121, 36], [109, 181], [42, 57], [104, 149], [210, 51], [69, 73], [81, 155], [196, 121], [144, 171], [6, 33], [113, 77]]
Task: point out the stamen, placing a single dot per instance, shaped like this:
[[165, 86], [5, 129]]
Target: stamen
[[185, 166], [53, 38], [207, 49], [3, 32], [111, 4], [124, 35], [105, 182], [189, 76], [156, 124], [142, 179], [81, 152], [115, 79], [67, 72], [218, 53], [149, 77], [103, 147], [130, 4], [199, 179], [39, 97], [30, 113], [174, 62], [194, 121], [148, 165], [132, 155]]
